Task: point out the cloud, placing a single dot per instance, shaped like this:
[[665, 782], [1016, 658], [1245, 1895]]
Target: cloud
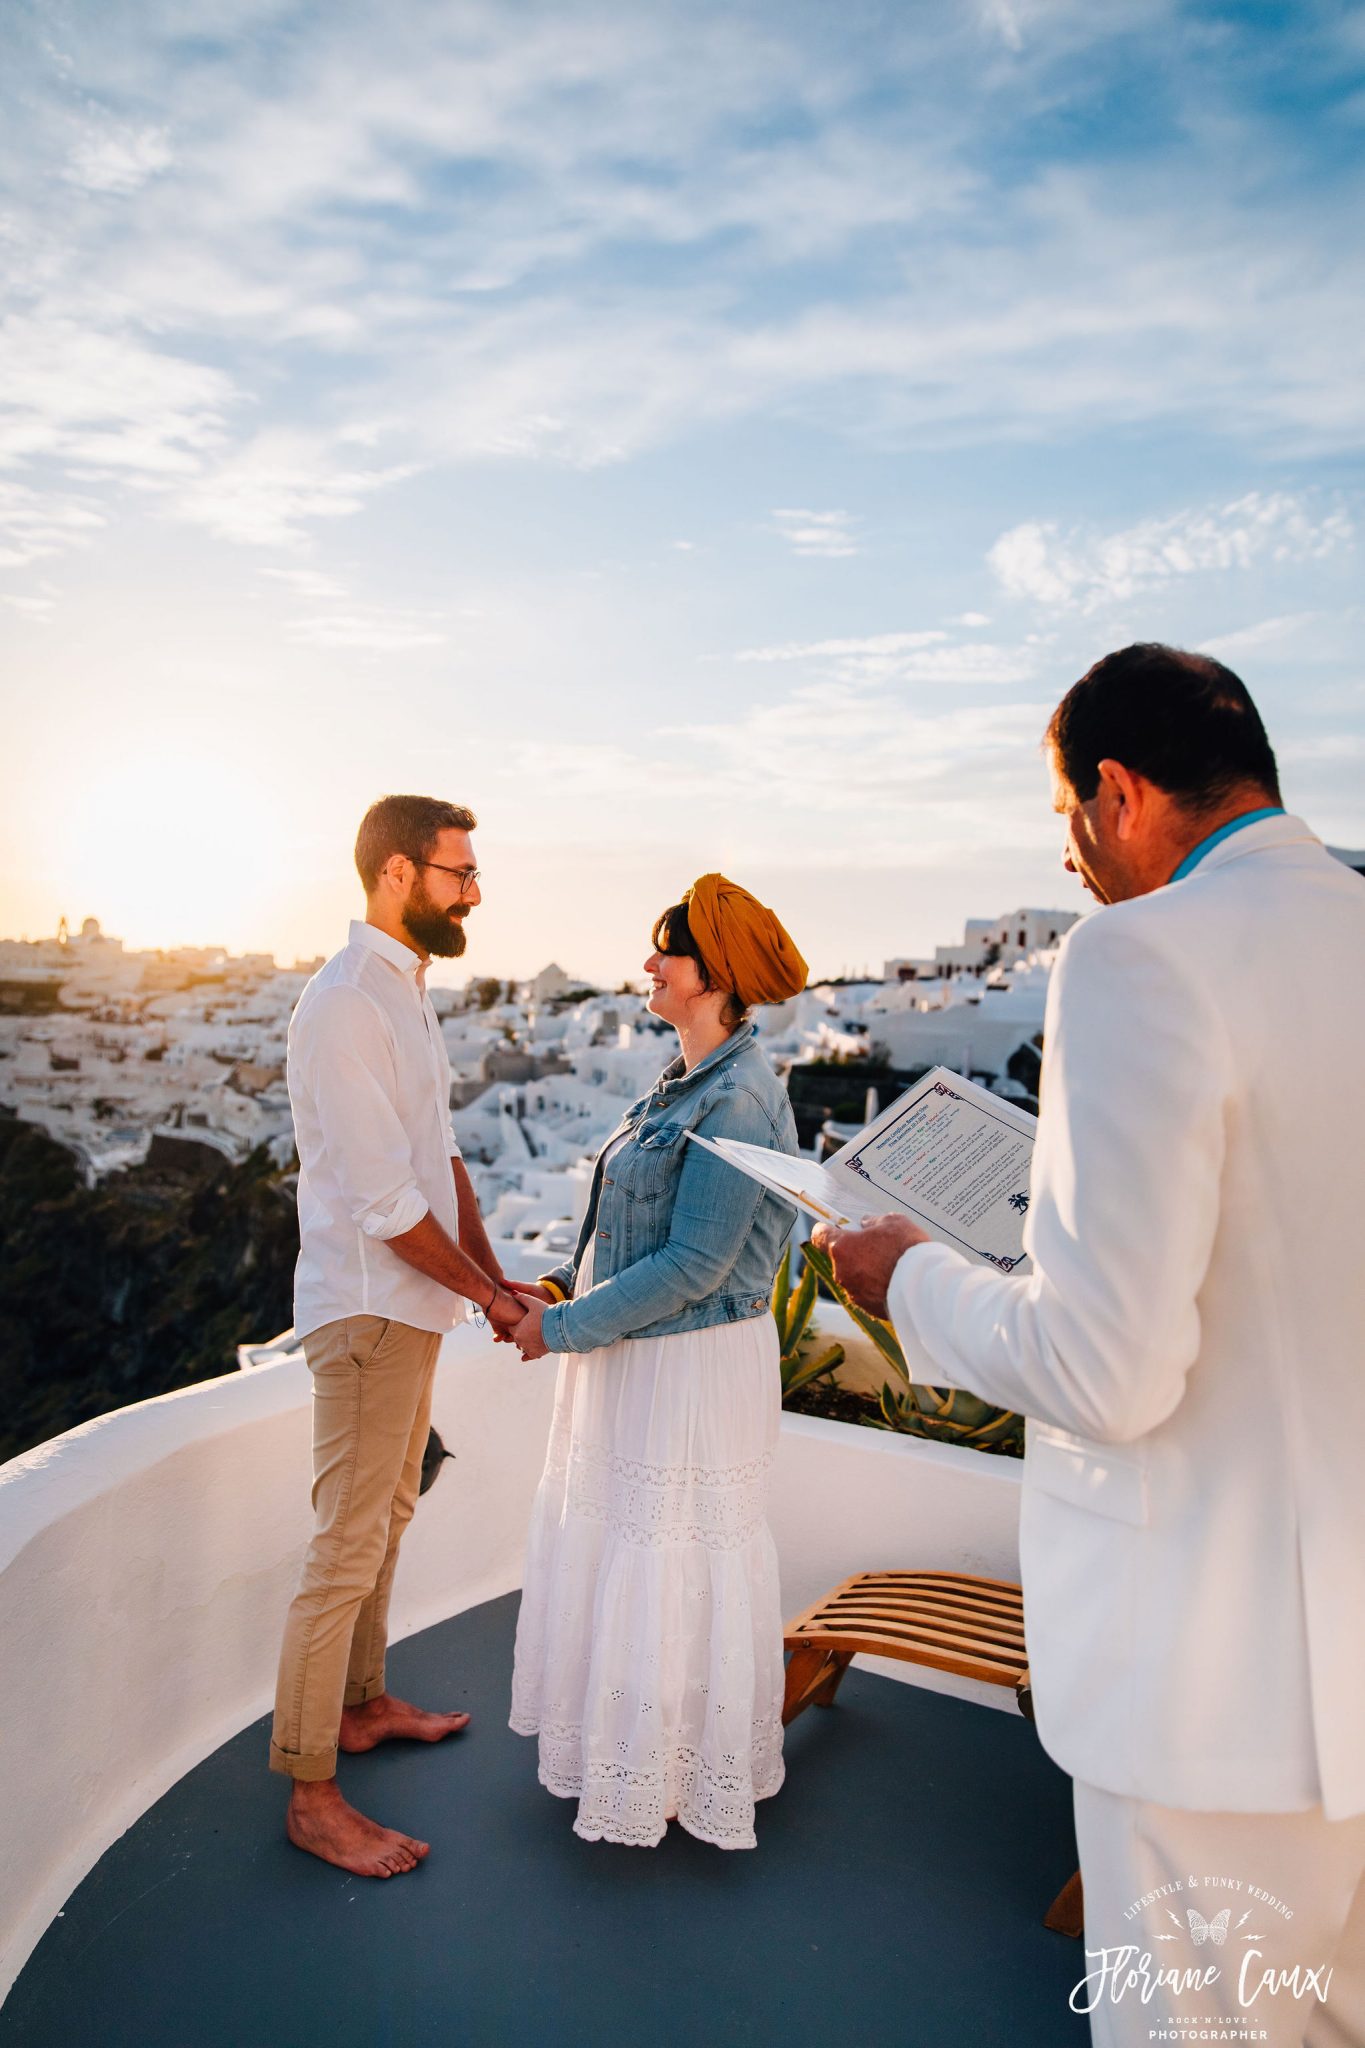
[[1267, 633], [105, 400], [366, 630], [310, 583], [825, 534], [268, 492], [593, 231], [118, 160], [39, 609], [1079, 570], [901, 779], [35, 524], [874, 646], [916, 657], [1004, 17]]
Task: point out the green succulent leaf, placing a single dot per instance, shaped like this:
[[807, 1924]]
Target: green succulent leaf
[[803, 1307], [881, 1333], [803, 1371]]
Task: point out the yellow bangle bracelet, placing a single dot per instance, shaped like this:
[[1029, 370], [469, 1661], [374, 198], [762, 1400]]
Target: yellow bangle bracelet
[[556, 1290]]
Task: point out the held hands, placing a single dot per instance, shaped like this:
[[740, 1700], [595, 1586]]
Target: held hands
[[865, 1258], [515, 1312], [526, 1336], [507, 1310], [505, 1313]]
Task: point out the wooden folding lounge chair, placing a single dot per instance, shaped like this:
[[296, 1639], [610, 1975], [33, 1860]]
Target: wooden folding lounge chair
[[947, 1620]]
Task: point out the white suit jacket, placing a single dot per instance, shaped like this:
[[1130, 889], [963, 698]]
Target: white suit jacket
[[1190, 1344]]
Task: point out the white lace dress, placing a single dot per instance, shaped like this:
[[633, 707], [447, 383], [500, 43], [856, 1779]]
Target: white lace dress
[[649, 1643]]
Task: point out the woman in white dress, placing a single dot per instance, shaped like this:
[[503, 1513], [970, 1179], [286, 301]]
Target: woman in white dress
[[649, 1644]]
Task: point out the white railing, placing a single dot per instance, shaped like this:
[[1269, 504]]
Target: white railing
[[147, 1558]]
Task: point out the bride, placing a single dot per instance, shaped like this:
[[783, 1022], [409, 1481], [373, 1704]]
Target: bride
[[649, 1643]]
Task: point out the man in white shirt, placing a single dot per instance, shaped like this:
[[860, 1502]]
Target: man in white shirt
[[1187, 1348], [392, 1252]]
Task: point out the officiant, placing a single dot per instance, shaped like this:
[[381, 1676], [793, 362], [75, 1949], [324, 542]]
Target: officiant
[[1187, 1350]]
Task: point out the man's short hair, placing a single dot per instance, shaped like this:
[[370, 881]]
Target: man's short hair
[[404, 824], [1182, 720]]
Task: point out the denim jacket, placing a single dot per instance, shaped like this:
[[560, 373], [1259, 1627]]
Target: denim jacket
[[681, 1240]]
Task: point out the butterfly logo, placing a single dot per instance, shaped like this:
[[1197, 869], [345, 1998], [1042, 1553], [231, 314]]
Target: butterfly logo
[[1202, 1930]]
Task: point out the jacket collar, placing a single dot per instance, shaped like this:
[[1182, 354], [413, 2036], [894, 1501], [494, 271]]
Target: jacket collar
[[1265, 836], [393, 950]]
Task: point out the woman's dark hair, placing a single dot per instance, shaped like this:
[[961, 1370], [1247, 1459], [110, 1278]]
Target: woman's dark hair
[[1183, 720], [672, 934]]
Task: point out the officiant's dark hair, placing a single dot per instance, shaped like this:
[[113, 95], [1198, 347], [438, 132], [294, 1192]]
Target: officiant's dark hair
[[404, 824], [1183, 720]]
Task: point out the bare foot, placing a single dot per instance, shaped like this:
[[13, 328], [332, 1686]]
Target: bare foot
[[320, 1821], [384, 1718]]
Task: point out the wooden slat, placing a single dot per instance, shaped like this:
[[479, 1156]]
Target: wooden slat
[[945, 1610], [1002, 1651], [921, 1596], [989, 1596], [966, 1665], [1006, 1586], [923, 1649], [957, 1612], [910, 1625], [948, 1621]]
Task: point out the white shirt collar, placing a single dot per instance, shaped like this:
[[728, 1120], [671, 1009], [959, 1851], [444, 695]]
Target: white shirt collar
[[393, 950]]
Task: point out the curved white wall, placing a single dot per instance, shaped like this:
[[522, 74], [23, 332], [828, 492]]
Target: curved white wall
[[147, 1558]]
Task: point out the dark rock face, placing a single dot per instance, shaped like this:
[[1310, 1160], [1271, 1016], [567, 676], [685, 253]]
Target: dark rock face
[[145, 1283]]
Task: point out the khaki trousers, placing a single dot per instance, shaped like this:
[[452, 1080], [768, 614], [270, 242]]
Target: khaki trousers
[[1293, 1885], [371, 1413]]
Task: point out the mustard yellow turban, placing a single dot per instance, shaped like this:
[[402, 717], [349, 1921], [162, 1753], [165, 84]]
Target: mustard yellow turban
[[743, 944]]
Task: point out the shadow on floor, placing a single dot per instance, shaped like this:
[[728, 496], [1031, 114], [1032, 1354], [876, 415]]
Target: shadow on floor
[[895, 1899]]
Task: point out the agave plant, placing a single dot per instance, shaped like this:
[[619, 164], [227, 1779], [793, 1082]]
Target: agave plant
[[793, 1307], [946, 1414]]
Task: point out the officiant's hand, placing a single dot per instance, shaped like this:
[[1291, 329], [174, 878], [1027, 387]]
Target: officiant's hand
[[865, 1258], [526, 1336]]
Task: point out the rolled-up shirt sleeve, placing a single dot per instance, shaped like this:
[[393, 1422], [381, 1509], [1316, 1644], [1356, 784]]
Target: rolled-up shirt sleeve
[[348, 1068]]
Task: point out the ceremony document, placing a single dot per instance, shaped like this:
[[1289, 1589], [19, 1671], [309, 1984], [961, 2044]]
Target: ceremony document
[[951, 1154]]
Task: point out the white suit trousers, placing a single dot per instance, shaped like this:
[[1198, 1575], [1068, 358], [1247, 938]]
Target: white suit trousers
[[1242, 1915]]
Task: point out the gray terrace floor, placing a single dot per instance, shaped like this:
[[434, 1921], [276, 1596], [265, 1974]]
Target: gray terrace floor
[[895, 1899]]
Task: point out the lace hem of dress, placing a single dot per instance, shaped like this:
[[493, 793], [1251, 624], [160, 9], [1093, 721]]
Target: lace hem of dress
[[721, 1507], [631, 1807]]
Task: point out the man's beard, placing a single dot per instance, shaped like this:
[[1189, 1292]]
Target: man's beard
[[435, 930]]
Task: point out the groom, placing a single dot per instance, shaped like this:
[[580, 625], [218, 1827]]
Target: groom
[[1188, 1350], [392, 1248]]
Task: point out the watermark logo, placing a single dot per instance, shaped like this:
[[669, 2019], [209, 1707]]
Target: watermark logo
[[1216, 1978]]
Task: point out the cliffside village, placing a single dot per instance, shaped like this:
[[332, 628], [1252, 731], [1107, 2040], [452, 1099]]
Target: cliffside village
[[179, 1056], [176, 1055]]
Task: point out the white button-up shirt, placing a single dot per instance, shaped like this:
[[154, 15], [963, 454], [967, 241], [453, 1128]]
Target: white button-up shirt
[[369, 1082]]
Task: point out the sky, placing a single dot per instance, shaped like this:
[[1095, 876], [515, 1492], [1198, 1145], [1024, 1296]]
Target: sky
[[694, 436]]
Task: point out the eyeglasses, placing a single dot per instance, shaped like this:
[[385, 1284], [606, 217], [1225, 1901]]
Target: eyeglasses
[[466, 877]]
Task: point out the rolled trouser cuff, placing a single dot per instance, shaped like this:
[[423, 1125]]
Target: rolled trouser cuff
[[360, 1690], [308, 1768]]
